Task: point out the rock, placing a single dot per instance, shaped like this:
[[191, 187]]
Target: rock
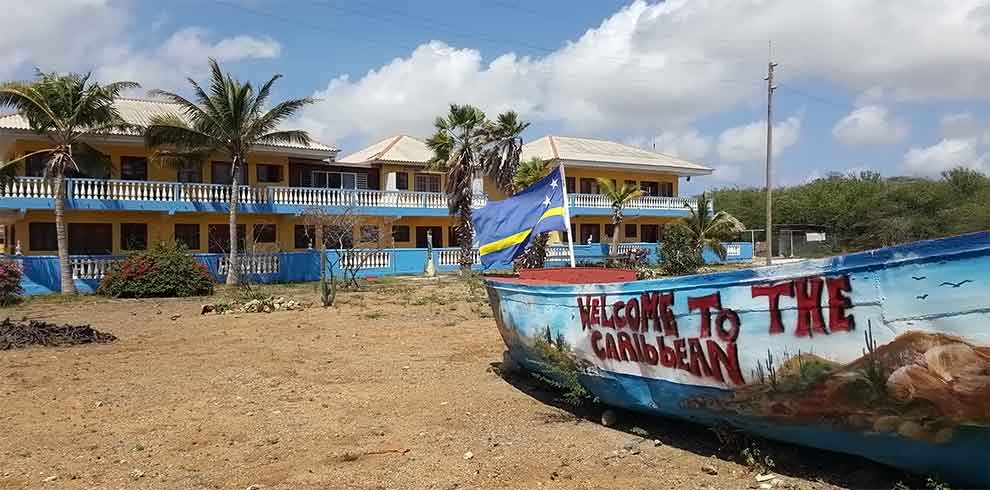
[[253, 487], [887, 423], [765, 477], [137, 474], [709, 469], [207, 309], [468, 455], [953, 361], [610, 418], [634, 451], [766, 486], [912, 429], [174, 317], [915, 382], [50, 479], [657, 443]]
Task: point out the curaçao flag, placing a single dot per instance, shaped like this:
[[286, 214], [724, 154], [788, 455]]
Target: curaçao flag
[[504, 228]]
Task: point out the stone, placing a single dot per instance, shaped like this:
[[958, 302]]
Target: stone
[[207, 309], [610, 417], [137, 474], [468, 455], [709, 468], [765, 477], [50, 479]]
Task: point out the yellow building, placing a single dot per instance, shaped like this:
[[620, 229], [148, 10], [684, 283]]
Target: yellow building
[[134, 202]]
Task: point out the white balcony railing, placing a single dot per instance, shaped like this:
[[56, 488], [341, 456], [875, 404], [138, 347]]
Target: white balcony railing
[[452, 256], [646, 202], [263, 263], [92, 267], [132, 190], [366, 259]]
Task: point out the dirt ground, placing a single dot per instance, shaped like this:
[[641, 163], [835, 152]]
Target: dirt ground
[[399, 387]]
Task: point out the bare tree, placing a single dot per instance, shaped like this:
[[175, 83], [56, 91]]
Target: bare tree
[[352, 253]]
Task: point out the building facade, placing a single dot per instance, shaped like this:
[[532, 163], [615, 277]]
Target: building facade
[[134, 203]]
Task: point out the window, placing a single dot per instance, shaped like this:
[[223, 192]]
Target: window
[[667, 189], [591, 233], [35, 165], [133, 236], [589, 186], [90, 238], [265, 233], [187, 234], [133, 168], [304, 236], [268, 173], [42, 237], [650, 188], [609, 228], [335, 180], [400, 233], [649, 233], [630, 231], [222, 173], [402, 182], [338, 237], [189, 173], [630, 183], [427, 183], [219, 238], [369, 233], [569, 182]]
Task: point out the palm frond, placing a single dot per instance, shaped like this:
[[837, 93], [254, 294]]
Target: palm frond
[[297, 137], [270, 121], [170, 130]]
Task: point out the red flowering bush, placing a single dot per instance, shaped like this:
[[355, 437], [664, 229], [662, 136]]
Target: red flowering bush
[[167, 270], [10, 282]]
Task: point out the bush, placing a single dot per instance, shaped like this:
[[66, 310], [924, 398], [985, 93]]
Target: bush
[[630, 259], [167, 270], [678, 255], [10, 282]]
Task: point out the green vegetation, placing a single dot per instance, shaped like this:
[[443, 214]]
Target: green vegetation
[[232, 119], [63, 108], [167, 270], [561, 369], [10, 283], [619, 197], [679, 255], [865, 210]]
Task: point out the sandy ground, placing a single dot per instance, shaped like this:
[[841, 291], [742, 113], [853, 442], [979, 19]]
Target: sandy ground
[[398, 387]]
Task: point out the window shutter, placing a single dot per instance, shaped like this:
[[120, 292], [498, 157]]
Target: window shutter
[[362, 181]]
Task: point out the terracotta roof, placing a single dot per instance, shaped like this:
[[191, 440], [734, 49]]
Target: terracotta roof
[[397, 149], [603, 153], [140, 112]]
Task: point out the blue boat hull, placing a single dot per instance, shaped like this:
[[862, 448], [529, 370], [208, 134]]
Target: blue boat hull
[[883, 354]]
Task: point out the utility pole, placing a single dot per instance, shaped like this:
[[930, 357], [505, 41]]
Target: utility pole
[[770, 89]]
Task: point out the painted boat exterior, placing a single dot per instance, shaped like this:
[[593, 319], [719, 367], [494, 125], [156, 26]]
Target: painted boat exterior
[[883, 354]]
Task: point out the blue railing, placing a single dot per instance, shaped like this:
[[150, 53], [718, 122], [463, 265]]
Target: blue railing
[[41, 273]]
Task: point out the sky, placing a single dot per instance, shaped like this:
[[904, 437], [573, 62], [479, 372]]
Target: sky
[[900, 88]]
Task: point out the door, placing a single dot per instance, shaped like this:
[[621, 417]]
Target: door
[[594, 232], [436, 231]]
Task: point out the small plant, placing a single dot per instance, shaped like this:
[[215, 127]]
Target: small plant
[[678, 253], [10, 282], [164, 271], [755, 460], [561, 369], [771, 371], [936, 484], [873, 370]]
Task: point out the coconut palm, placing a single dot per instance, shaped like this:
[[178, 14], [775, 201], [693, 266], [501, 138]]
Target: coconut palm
[[620, 197], [708, 230], [467, 144], [232, 120], [527, 174], [66, 108]]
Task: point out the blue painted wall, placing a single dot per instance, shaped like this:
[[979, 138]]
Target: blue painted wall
[[41, 274]]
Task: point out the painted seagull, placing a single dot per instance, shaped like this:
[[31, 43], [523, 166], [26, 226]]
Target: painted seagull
[[923, 296], [956, 284], [918, 278]]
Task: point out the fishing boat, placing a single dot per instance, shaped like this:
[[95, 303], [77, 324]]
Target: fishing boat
[[883, 354]]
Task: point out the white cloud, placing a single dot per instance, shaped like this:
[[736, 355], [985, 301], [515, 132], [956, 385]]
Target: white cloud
[[870, 125], [688, 144], [46, 34], [944, 155], [749, 142]]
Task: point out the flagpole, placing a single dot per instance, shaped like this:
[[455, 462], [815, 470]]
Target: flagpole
[[567, 215]]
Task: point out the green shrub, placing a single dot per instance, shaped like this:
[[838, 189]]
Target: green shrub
[[10, 282], [167, 270], [678, 255]]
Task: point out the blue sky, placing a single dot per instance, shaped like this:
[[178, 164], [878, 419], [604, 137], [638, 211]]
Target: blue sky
[[897, 87]]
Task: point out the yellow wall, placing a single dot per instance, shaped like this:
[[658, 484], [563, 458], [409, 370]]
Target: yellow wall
[[157, 172], [578, 173], [411, 170]]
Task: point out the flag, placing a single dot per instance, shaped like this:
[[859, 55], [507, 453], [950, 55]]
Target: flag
[[506, 227]]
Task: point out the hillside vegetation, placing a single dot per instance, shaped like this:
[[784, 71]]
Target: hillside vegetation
[[865, 210]]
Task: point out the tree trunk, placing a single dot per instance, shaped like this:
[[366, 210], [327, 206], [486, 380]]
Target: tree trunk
[[65, 268], [466, 239], [616, 224], [234, 271]]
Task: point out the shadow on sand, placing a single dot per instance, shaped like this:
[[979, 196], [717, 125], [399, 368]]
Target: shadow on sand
[[813, 465]]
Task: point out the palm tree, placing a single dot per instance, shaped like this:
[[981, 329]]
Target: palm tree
[[230, 120], [65, 108], [466, 144], [620, 196], [709, 230], [527, 174]]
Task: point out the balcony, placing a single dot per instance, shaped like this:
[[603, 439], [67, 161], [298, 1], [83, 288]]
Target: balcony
[[172, 197]]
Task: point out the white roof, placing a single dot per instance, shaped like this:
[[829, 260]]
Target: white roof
[[394, 149], [584, 152], [140, 112]]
